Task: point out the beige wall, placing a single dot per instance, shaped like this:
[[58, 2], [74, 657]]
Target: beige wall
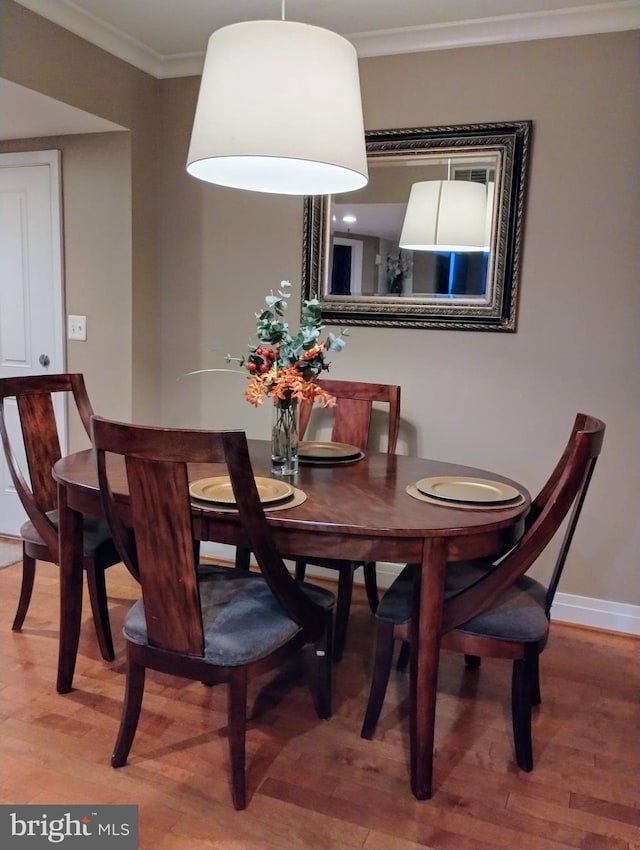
[[497, 401], [96, 215], [40, 55]]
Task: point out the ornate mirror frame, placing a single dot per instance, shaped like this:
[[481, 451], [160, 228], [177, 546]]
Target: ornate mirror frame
[[502, 149]]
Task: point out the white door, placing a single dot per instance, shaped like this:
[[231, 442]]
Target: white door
[[31, 291]]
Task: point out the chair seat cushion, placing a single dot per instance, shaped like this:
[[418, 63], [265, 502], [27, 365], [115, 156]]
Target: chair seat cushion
[[242, 619], [518, 616], [95, 534], [396, 603]]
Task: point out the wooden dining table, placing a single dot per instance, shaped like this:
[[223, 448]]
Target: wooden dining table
[[353, 510]]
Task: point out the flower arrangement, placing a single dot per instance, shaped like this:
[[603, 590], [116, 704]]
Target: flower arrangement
[[284, 366], [397, 268]]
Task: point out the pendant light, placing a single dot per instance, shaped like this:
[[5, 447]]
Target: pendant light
[[446, 215], [279, 110]]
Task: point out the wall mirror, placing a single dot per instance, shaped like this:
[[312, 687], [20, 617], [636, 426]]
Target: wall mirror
[[359, 261]]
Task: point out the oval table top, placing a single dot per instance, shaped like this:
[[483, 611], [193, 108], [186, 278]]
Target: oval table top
[[363, 499]]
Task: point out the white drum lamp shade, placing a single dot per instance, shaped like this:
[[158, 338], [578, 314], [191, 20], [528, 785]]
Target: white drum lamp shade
[[279, 111], [445, 215]]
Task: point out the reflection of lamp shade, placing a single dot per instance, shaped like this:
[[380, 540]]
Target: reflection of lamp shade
[[279, 111], [445, 215], [491, 188]]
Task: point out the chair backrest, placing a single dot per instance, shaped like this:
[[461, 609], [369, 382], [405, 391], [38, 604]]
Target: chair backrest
[[34, 402], [564, 492], [353, 411], [161, 549]]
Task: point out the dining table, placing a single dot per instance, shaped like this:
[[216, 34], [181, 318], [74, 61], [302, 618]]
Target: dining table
[[367, 509]]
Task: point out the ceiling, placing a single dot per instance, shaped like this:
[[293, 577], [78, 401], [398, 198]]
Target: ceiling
[[168, 38]]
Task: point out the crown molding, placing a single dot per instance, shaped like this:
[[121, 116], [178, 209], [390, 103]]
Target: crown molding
[[95, 31], [583, 20]]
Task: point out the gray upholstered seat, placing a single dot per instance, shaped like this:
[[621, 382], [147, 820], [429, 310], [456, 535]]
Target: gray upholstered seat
[[518, 616], [242, 620], [95, 534]]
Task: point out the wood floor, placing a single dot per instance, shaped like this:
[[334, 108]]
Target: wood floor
[[316, 785]]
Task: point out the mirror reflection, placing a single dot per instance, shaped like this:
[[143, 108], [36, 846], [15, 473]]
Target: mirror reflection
[[433, 240], [366, 257]]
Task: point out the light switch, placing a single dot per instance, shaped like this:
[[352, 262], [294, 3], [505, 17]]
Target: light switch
[[77, 327]]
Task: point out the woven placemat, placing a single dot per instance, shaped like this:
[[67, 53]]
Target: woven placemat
[[297, 498], [413, 491]]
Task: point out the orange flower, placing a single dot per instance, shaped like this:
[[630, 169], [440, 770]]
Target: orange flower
[[281, 384]]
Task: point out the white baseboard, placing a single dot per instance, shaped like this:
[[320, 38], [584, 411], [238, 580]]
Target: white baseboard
[[596, 613], [567, 607]]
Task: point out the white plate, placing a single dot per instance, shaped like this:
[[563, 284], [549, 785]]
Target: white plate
[[452, 488], [220, 491]]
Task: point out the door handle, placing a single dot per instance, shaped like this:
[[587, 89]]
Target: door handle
[[43, 360]]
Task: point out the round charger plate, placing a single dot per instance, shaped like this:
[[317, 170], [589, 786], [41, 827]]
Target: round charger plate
[[330, 461], [298, 497], [220, 491], [457, 489], [413, 491], [327, 451]]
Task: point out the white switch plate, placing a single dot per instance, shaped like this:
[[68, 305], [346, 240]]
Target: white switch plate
[[77, 327]]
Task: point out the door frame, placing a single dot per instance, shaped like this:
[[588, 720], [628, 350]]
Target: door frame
[[52, 159]]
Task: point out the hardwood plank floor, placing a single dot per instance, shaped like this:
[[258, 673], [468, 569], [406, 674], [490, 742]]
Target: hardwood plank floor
[[316, 785]]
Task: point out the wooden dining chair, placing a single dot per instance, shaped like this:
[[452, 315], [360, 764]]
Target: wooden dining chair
[[494, 609], [40, 445], [352, 418], [211, 624]]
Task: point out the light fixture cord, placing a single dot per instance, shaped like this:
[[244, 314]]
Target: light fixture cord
[[282, 13]]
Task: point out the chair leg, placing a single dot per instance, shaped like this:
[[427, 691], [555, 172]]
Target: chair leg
[[100, 610], [237, 726], [28, 575], [301, 569], [379, 678], [521, 687], [536, 698], [322, 672], [243, 559], [130, 712], [472, 661], [343, 606], [371, 585], [403, 656]]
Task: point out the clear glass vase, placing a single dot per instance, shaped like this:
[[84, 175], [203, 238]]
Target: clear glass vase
[[284, 437]]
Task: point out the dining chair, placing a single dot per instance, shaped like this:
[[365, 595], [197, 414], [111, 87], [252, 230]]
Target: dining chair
[[202, 622], [492, 608], [351, 424], [40, 446]]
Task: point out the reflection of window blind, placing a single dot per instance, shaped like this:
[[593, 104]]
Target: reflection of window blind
[[475, 175]]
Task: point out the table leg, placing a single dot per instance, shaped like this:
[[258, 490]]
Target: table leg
[[70, 558], [425, 639]]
